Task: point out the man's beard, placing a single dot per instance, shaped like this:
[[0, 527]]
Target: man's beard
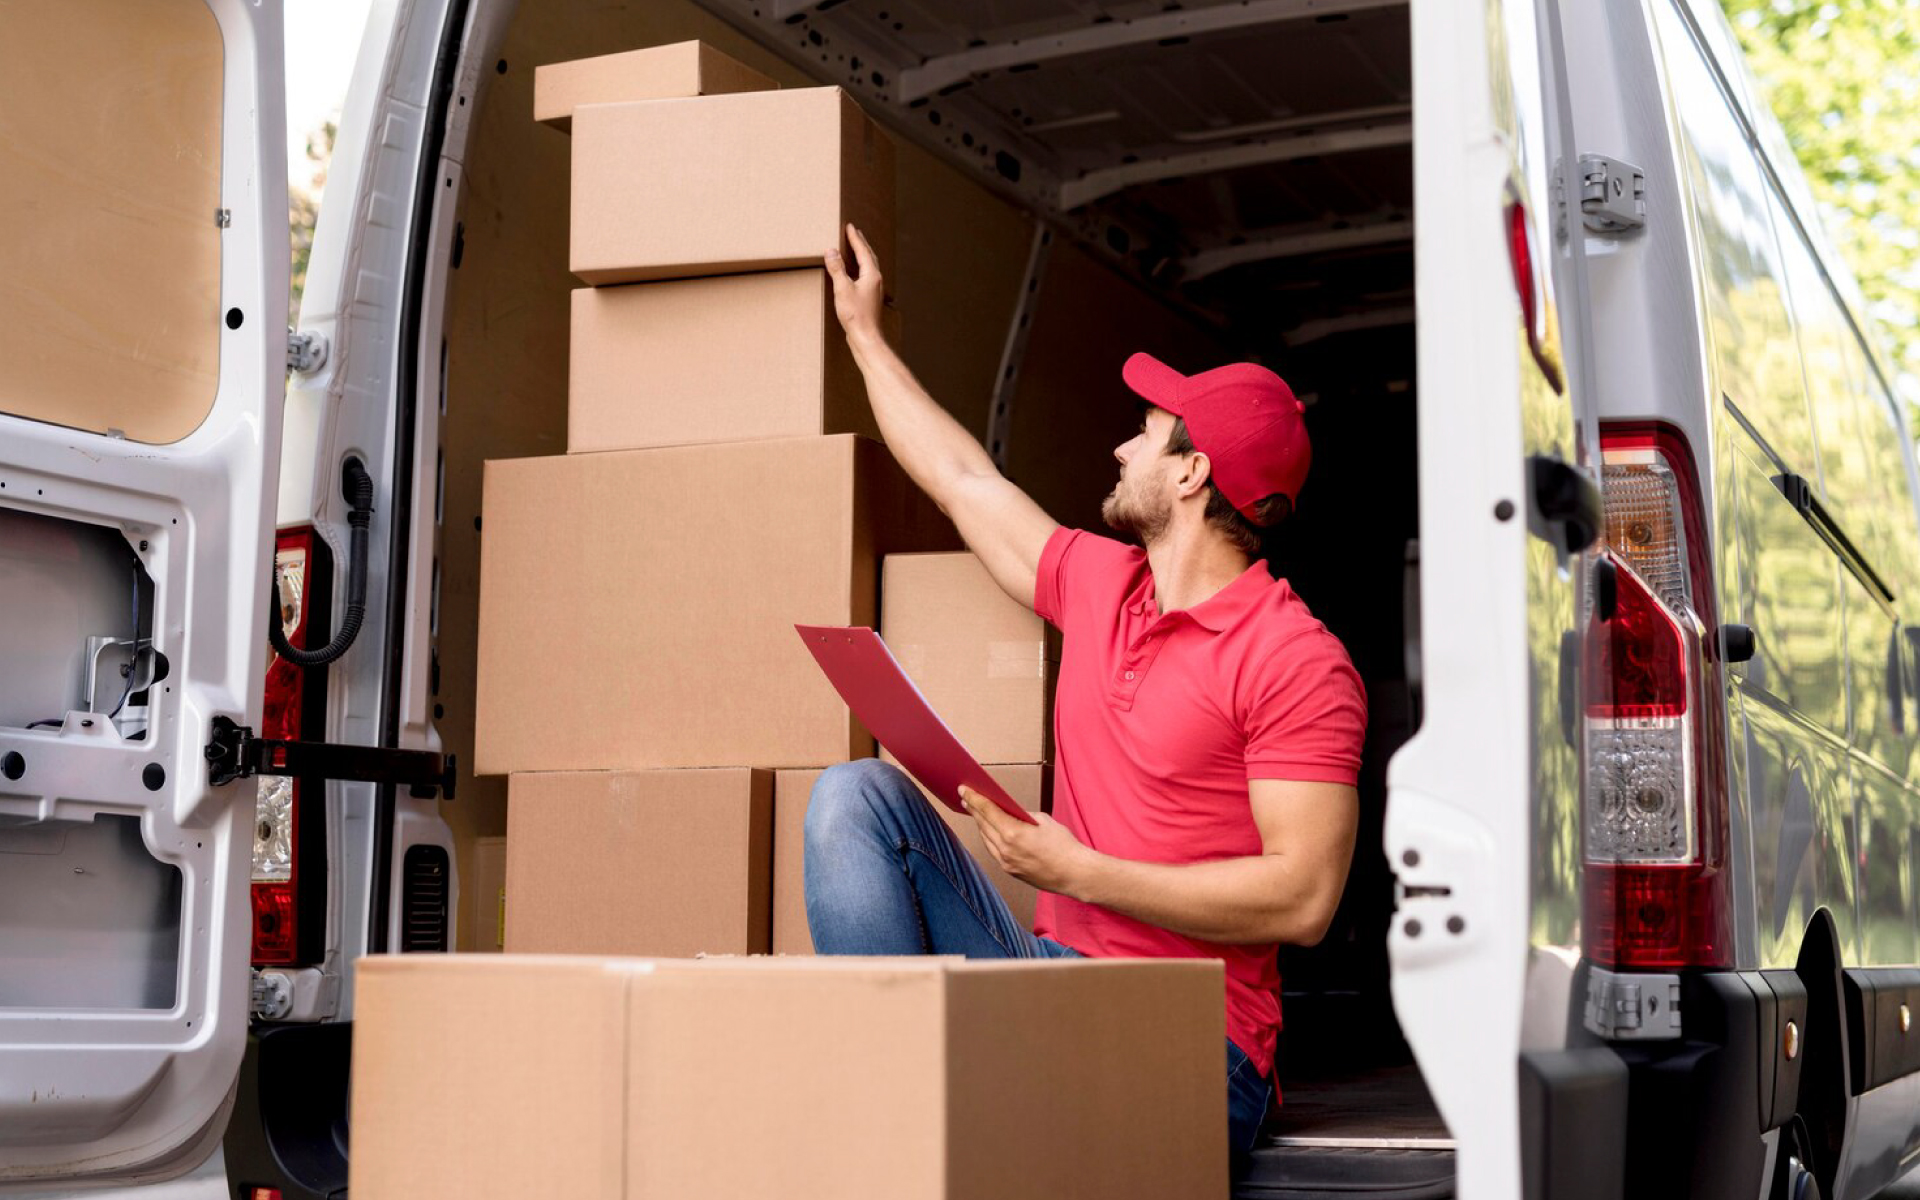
[[1136, 515]]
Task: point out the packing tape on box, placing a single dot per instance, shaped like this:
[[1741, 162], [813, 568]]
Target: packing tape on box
[[1016, 660]]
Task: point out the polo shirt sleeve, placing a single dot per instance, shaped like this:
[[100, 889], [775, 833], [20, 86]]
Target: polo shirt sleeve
[[1307, 713], [1063, 571]]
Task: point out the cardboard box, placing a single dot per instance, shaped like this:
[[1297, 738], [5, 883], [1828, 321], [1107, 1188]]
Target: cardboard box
[[639, 862], [756, 181], [484, 898], [488, 1076], [984, 661], [637, 607], [655, 73], [793, 789], [732, 358]]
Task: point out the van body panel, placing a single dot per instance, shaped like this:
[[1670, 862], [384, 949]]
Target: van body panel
[[124, 919]]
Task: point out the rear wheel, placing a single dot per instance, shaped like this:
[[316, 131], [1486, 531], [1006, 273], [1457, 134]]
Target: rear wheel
[[1792, 1178]]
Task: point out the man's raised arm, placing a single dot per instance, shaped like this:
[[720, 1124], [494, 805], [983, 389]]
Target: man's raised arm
[[1000, 522]]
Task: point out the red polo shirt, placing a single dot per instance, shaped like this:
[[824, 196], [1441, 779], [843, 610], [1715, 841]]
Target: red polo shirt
[[1160, 722]]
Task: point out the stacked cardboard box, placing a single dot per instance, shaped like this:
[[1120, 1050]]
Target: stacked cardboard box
[[639, 675], [986, 664], [641, 684], [493, 1078]]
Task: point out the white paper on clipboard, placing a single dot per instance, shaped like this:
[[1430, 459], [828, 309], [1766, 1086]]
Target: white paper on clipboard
[[890, 705]]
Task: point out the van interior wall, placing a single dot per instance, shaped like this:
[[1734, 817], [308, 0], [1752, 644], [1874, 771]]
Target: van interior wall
[[962, 254]]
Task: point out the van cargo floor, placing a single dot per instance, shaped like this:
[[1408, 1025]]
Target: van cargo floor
[[1375, 1134]]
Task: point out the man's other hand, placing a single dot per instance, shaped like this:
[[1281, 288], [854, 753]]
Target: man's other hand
[[1044, 854], [857, 302]]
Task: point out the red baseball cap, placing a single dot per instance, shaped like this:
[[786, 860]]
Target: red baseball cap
[[1242, 416]]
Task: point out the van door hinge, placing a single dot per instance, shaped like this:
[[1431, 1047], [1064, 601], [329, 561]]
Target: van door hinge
[[306, 352], [1632, 1007], [234, 753], [1613, 194]]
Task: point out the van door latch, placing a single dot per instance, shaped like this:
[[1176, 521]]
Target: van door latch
[[235, 753], [1613, 194]]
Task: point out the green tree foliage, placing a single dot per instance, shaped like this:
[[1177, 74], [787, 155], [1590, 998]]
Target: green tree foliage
[[1843, 78], [303, 209]]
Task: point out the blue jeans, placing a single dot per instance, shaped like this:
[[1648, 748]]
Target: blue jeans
[[884, 875]]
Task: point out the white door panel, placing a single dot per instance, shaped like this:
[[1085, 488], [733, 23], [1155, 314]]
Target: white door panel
[[124, 920], [1465, 793]]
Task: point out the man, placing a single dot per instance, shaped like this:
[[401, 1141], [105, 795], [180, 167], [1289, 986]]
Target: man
[[1207, 727]]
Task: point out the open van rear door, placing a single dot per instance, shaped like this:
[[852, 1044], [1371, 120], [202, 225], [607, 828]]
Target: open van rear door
[[1507, 501], [143, 296]]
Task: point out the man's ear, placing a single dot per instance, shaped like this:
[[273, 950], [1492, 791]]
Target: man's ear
[[1193, 480]]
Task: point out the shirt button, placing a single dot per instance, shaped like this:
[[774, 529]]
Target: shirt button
[[1129, 674]]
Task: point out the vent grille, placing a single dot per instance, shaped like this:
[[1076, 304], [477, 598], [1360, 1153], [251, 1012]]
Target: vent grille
[[423, 901]]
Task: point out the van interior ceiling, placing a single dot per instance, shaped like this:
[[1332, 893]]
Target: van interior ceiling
[[1076, 180]]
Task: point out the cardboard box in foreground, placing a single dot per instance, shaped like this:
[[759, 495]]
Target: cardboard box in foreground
[[984, 661], [672, 863], [756, 181], [637, 607], [654, 73], [494, 1077], [728, 359], [792, 790]]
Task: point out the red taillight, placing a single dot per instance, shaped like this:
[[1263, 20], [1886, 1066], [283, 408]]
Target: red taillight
[[1659, 917], [263, 1193], [274, 928], [1641, 654], [1655, 782], [1520, 257], [276, 836], [1536, 318]]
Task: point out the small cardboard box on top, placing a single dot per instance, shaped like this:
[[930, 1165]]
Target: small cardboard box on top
[[494, 1077], [713, 185], [671, 863], [637, 607], [725, 359], [985, 662], [654, 73], [792, 790]]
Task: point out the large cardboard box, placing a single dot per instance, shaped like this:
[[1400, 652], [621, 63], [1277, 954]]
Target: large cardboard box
[[756, 181], [494, 1077], [1026, 783], [984, 661], [667, 863], [731, 358], [637, 607], [483, 903], [654, 73]]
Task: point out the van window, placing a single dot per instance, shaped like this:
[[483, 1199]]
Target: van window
[[110, 126]]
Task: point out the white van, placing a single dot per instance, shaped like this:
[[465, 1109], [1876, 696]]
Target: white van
[[1613, 507]]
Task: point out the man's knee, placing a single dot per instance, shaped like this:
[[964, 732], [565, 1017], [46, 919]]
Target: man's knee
[[852, 796]]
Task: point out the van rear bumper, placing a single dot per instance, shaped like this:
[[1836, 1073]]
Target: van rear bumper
[[1699, 1107]]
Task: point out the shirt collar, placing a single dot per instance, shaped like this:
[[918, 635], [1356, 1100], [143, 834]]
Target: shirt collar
[[1222, 610]]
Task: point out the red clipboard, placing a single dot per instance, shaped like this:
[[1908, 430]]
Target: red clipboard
[[870, 680]]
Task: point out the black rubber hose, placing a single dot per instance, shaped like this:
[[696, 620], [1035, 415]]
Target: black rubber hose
[[359, 488]]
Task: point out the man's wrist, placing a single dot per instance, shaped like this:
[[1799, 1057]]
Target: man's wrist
[[1086, 880], [866, 339]]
